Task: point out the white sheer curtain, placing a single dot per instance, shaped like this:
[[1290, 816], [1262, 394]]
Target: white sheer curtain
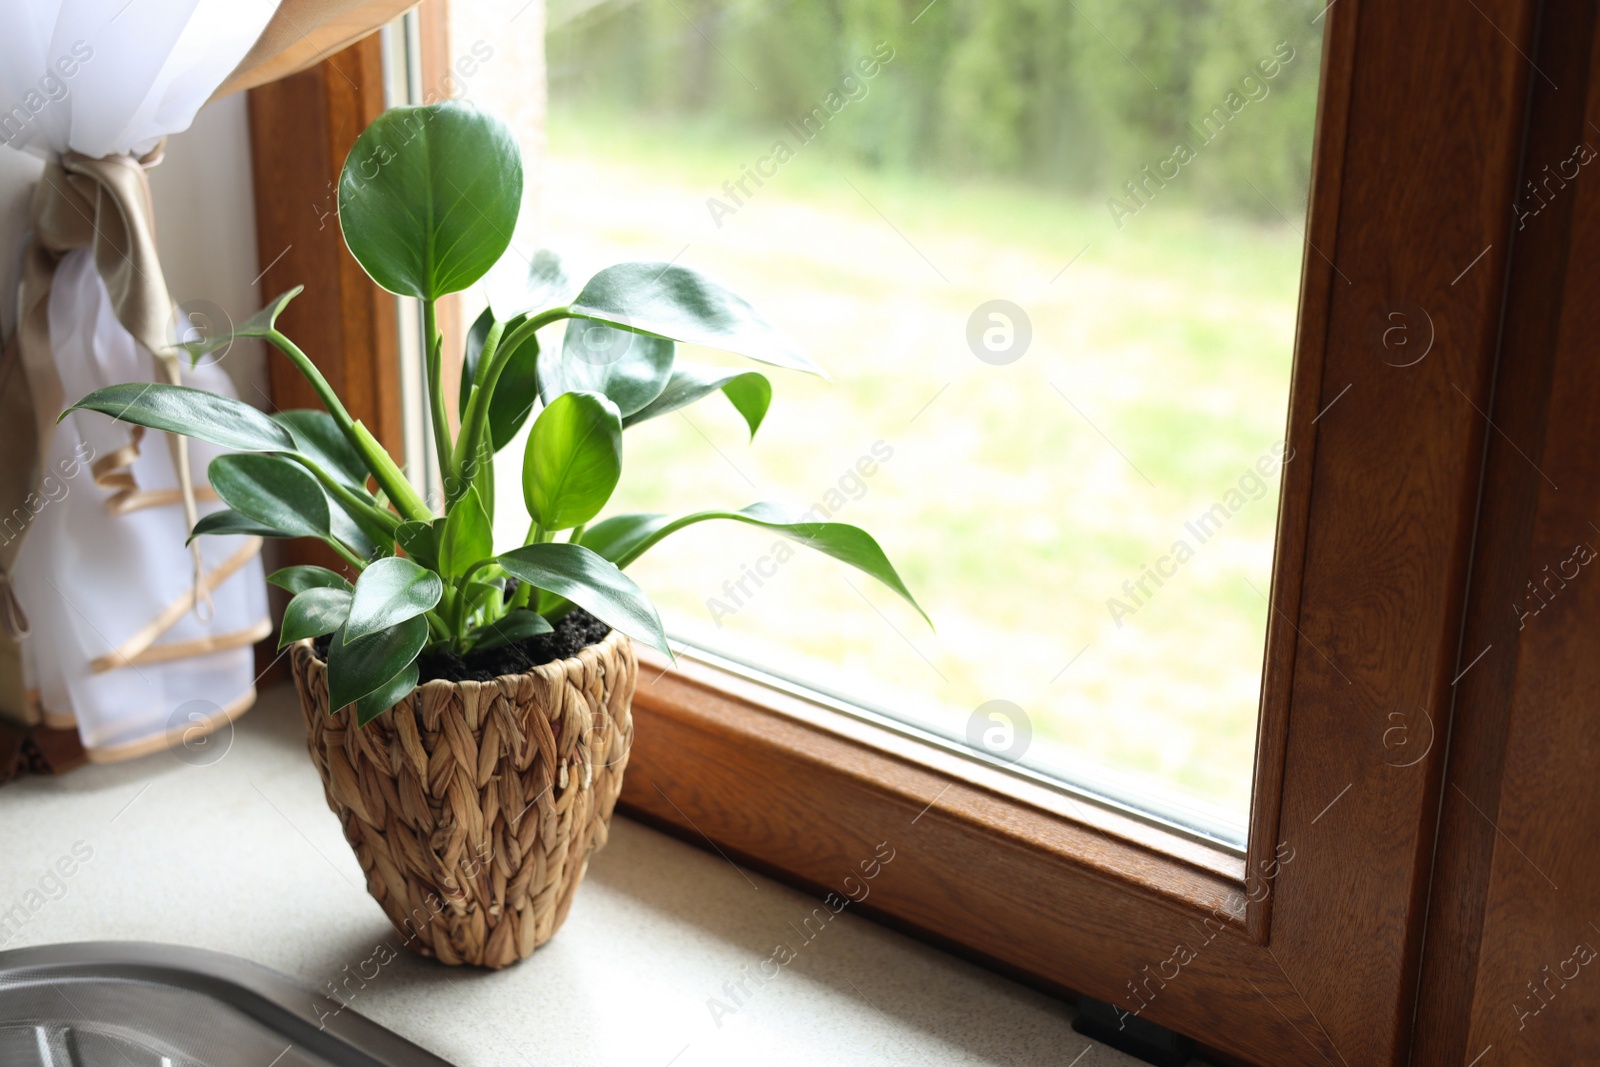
[[116, 643]]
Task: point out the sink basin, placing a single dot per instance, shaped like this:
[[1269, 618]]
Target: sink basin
[[132, 1004]]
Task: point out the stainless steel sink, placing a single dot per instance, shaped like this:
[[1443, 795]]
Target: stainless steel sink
[[133, 1004]]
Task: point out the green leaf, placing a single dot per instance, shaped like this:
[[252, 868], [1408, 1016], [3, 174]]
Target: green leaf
[[629, 369], [273, 491], [517, 391], [573, 460], [179, 409], [429, 197], [386, 695], [517, 626], [421, 542], [353, 532], [318, 438], [518, 285], [684, 305], [299, 579], [356, 668], [389, 592], [313, 613], [592, 583], [749, 391], [468, 536], [624, 538], [472, 351], [484, 482], [273, 494], [261, 324], [230, 523]]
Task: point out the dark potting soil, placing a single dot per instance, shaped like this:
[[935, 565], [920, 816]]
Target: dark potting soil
[[575, 630]]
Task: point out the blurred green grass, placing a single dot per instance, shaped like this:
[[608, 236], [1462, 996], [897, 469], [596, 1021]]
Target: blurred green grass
[[1018, 499]]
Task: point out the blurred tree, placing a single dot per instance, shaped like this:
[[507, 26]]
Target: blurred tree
[[1074, 94]]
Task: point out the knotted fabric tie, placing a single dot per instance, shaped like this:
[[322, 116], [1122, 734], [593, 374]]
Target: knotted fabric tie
[[102, 205]]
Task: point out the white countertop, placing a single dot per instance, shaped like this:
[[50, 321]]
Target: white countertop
[[241, 855]]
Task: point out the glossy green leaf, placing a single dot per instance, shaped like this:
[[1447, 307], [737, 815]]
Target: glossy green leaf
[[517, 626], [591, 582], [749, 391], [429, 196], [354, 532], [273, 491], [318, 438], [468, 536], [517, 391], [387, 695], [356, 668], [261, 324], [573, 460], [479, 592], [195, 413], [484, 482], [389, 592], [684, 305], [624, 538], [230, 523], [516, 394], [313, 613], [472, 350], [421, 542], [517, 285], [300, 578], [629, 369]]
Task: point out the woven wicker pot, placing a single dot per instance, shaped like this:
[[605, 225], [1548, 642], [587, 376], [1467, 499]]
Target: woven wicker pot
[[473, 806]]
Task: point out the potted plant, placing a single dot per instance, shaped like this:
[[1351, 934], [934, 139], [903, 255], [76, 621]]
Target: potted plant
[[467, 704]]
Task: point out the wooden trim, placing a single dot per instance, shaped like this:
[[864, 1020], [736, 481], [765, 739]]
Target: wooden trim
[[301, 129], [1518, 860], [1307, 396]]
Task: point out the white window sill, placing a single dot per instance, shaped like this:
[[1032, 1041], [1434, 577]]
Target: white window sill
[[242, 856]]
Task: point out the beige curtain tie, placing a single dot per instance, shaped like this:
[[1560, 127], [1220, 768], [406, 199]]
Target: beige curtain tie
[[102, 205]]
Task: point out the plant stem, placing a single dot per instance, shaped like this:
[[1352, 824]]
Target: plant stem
[[450, 607], [373, 520], [440, 418], [463, 611], [461, 463], [388, 475], [437, 626], [490, 366], [536, 535], [491, 344], [349, 557], [319, 384]]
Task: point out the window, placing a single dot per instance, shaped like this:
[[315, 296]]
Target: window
[[1051, 260], [1357, 845]]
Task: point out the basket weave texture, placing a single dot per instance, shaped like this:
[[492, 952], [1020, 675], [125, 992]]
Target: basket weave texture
[[473, 807]]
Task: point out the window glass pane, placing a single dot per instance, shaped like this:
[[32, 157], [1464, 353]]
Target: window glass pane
[[1050, 254]]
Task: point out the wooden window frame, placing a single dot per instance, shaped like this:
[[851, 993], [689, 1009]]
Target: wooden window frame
[[1309, 950]]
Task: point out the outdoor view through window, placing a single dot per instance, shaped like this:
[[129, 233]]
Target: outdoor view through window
[[1050, 255]]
